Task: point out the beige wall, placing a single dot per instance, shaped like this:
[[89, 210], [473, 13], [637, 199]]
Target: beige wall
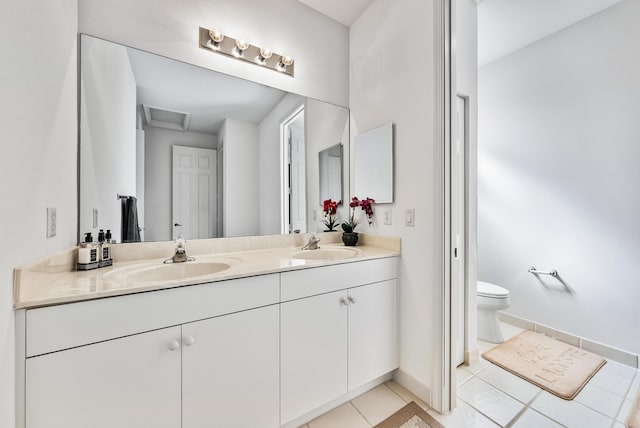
[[394, 81], [38, 123]]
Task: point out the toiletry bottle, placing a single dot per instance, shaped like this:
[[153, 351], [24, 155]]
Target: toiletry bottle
[[106, 250], [87, 254], [100, 243]]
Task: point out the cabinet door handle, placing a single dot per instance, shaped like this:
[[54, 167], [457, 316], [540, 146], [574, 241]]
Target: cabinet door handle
[[174, 345], [344, 301], [351, 299], [188, 341]]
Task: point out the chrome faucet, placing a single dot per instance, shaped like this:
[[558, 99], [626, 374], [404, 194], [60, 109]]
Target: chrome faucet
[[180, 256], [313, 243]]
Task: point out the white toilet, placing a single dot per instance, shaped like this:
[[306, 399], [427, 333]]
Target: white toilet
[[491, 299]]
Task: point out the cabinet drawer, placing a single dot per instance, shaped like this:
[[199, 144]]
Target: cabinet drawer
[[60, 327], [309, 282]]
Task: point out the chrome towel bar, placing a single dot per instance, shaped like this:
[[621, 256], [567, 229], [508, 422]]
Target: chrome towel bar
[[535, 271]]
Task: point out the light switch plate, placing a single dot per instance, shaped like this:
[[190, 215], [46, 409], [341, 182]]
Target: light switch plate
[[387, 216], [410, 217], [51, 222]]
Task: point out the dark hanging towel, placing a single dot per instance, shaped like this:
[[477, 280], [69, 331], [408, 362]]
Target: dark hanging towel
[[130, 229]]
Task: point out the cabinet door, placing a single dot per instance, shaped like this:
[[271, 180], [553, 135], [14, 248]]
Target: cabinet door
[[373, 331], [131, 382], [230, 370], [314, 353]]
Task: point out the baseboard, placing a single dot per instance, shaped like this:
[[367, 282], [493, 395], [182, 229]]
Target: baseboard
[[471, 357], [410, 383], [337, 402], [610, 352]]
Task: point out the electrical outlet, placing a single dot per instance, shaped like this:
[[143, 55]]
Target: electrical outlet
[[387, 216], [51, 222], [410, 217], [95, 218]]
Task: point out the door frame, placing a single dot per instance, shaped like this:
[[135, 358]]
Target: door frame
[[285, 158]]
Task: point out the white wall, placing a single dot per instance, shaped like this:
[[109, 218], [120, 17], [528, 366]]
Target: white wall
[[38, 123], [466, 81], [240, 172], [108, 134], [269, 164], [319, 45], [392, 81], [158, 222], [325, 125], [558, 177]]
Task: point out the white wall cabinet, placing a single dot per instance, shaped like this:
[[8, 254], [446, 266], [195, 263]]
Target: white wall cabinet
[[280, 345], [130, 382]]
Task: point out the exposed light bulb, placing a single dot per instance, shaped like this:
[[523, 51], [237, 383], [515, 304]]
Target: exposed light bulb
[[266, 53], [285, 61], [242, 45], [216, 35]]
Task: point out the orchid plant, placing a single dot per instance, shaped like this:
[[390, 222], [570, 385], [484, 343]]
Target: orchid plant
[[330, 209], [366, 205]]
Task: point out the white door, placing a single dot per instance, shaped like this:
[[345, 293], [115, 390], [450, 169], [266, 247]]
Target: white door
[[230, 370], [457, 229], [130, 382], [298, 201], [194, 192], [373, 332], [313, 353]]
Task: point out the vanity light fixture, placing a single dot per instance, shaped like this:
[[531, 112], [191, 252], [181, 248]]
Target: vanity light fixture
[[215, 41]]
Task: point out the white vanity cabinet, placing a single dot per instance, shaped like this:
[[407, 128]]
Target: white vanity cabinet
[[333, 341], [89, 365], [129, 382], [230, 370], [259, 351]]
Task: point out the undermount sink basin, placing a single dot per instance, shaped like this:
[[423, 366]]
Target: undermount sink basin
[[167, 272], [326, 254]]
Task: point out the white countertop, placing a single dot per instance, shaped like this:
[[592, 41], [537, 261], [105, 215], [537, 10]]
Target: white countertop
[[59, 286]]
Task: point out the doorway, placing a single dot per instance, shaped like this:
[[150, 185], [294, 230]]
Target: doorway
[[194, 192], [294, 200], [458, 215]]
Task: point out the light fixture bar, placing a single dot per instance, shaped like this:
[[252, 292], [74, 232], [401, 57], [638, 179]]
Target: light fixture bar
[[215, 41]]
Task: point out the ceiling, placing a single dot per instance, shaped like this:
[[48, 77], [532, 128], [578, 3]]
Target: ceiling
[[209, 96], [343, 11], [505, 26]]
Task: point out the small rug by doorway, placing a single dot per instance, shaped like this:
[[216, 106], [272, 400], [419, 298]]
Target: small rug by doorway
[[410, 416], [554, 366]]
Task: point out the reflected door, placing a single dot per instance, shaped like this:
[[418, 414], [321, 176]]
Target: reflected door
[[194, 192], [298, 201]]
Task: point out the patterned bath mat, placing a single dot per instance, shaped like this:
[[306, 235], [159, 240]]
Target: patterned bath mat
[[554, 366], [410, 416]]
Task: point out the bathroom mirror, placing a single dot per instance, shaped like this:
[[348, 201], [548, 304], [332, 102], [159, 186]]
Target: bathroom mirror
[[373, 156], [330, 165], [219, 155]]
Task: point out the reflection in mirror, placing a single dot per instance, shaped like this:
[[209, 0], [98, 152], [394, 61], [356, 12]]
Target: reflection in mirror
[[195, 147], [330, 161], [374, 164]]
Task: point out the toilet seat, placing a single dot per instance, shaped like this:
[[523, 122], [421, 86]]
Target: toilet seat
[[486, 289]]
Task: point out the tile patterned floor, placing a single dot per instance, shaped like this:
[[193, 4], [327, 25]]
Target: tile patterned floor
[[489, 396]]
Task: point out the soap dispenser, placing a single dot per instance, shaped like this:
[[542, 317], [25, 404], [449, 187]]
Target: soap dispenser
[[104, 251], [87, 254]]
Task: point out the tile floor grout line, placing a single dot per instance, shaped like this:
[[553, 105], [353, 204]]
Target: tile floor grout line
[[391, 389], [360, 413]]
